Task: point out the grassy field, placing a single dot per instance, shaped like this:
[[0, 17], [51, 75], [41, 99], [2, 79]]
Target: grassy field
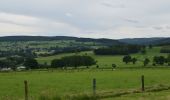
[[73, 82], [164, 95], [69, 82], [107, 61]]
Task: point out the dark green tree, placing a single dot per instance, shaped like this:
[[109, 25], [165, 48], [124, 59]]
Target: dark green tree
[[160, 60], [143, 51], [57, 63], [2, 64], [146, 61], [97, 66], [134, 60], [114, 66], [150, 46], [73, 61], [127, 59], [31, 63], [88, 61], [168, 58]]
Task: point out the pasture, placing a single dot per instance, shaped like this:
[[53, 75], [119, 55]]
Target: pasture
[[106, 61], [75, 82], [57, 82]]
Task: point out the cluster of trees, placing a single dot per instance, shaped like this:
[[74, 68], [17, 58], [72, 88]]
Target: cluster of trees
[[16, 61], [29, 52], [73, 61], [30, 63], [57, 50], [128, 59], [27, 49], [119, 50], [161, 60], [157, 60], [20, 52], [165, 49]]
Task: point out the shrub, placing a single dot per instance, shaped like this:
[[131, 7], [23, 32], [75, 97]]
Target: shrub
[[73, 61]]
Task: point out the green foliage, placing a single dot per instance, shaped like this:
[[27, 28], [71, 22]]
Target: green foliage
[[127, 59], [48, 46], [11, 62], [57, 63], [73, 61], [134, 60], [146, 61], [160, 60], [118, 50], [165, 49], [143, 51], [97, 66], [114, 66], [18, 60], [168, 58], [150, 46], [103, 61], [31, 63]]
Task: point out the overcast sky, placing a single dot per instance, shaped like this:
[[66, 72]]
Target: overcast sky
[[86, 18]]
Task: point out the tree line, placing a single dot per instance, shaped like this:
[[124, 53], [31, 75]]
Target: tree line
[[165, 49], [16, 61], [31, 63], [119, 50], [69, 49], [73, 61], [157, 60]]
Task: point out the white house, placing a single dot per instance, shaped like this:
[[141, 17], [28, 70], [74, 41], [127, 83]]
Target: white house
[[20, 68], [5, 69]]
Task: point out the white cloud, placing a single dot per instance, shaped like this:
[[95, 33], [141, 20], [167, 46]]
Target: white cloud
[[69, 15], [87, 18], [15, 24]]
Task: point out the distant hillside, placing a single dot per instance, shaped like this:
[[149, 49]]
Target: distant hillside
[[34, 38], [146, 41], [107, 42], [46, 38], [165, 41]]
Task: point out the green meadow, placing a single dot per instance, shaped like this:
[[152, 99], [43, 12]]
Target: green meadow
[[53, 82], [75, 82], [107, 61]]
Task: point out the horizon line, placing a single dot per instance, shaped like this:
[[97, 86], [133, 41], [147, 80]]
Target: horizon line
[[76, 36]]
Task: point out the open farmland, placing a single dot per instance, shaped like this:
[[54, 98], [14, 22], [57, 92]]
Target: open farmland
[[105, 61], [62, 83], [75, 82]]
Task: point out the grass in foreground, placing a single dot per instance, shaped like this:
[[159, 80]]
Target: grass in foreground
[[104, 95], [73, 82]]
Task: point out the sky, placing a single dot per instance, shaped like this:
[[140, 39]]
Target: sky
[[113, 19]]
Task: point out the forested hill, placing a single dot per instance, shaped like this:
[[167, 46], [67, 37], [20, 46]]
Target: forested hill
[[141, 41], [52, 38], [165, 41], [146, 41]]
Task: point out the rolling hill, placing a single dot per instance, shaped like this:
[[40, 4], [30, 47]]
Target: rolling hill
[[165, 41], [52, 38], [146, 41]]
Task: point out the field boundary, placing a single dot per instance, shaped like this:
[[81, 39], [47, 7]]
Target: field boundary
[[114, 94]]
